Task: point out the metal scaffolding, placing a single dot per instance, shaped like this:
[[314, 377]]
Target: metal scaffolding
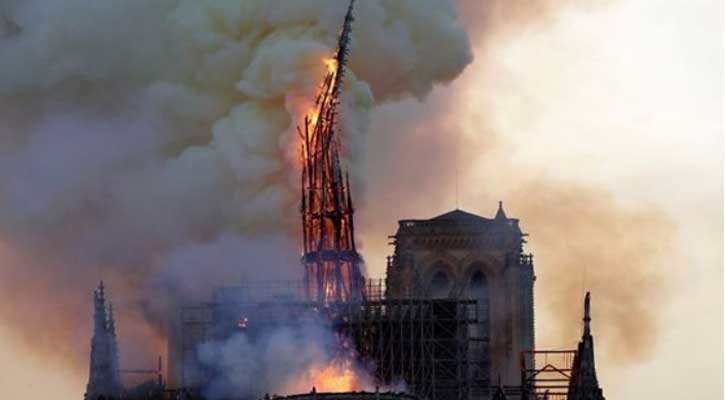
[[425, 343], [429, 345], [196, 328], [546, 373]]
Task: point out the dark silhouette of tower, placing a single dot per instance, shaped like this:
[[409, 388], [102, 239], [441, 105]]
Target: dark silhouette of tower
[[332, 263], [103, 378], [583, 384]]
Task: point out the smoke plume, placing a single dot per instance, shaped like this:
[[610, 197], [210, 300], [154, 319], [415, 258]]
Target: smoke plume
[[152, 145], [296, 356], [582, 235]]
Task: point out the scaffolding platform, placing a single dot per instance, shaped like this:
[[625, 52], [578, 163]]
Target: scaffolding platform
[[431, 345]]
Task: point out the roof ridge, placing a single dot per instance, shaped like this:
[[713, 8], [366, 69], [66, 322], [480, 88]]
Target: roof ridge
[[459, 214]]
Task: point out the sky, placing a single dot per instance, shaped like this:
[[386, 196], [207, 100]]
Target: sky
[[623, 101]]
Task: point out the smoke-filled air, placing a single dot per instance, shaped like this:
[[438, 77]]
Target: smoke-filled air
[[153, 145], [599, 125]]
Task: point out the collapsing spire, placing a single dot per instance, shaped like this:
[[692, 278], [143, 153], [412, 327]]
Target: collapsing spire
[[332, 264], [343, 49], [103, 378], [583, 384]]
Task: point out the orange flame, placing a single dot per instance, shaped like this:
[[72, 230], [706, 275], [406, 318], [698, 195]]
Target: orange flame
[[331, 64], [312, 113], [335, 378], [339, 375]]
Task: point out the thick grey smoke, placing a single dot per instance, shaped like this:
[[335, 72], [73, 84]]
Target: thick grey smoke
[[290, 358], [151, 144]]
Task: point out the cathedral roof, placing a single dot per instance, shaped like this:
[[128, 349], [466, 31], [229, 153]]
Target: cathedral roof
[[459, 215], [457, 222]]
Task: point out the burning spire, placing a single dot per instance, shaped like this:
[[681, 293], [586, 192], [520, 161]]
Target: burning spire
[[332, 263], [103, 377]]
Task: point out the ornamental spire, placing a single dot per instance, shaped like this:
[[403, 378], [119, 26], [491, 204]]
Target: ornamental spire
[[500, 214], [583, 384], [103, 376], [99, 310], [587, 316]]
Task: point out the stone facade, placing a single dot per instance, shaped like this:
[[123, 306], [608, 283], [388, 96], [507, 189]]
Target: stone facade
[[465, 256]]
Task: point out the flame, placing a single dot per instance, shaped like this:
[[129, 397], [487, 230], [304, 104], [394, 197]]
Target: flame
[[339, 375], [335, 377], [313, 111], [313, 116], [331, 64]]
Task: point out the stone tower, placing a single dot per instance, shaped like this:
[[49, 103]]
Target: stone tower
[[465, 256], [103, 377]]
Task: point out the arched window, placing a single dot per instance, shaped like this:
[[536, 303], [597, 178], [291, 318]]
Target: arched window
[[439, 285], [478, 290], [479, 285]]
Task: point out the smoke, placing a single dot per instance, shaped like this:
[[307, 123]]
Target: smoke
[[585, 240], [152, 145], [295, 356], [470, 145], [162, 157], [582, 237]]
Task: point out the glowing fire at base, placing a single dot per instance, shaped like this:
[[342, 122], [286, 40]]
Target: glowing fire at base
[[340, 375], [335, 378]]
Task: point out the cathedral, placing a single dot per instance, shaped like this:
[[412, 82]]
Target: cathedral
[[464, 256], [454, 319], [441, 266]]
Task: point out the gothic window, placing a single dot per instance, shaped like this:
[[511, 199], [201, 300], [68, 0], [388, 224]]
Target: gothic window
[[439, 285], [479, 290], [479, 285]]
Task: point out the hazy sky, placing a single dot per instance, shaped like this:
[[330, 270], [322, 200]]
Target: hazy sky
[[624, 98], [631, 98]]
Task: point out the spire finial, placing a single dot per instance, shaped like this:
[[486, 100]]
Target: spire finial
[[500, 214], [587, 315]]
